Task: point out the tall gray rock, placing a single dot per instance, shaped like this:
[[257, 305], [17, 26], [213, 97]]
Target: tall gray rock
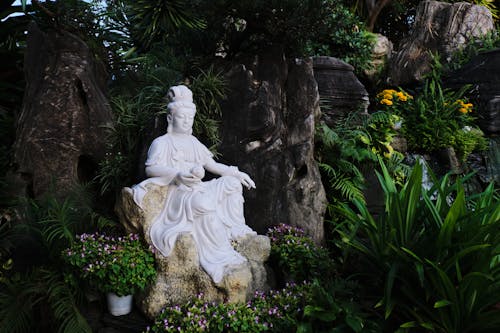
[[483, 73], [268, 131], [439, 27], [60, 135]]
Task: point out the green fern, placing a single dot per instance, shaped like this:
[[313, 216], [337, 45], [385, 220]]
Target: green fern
[[42, 299], [16, 306], [62, 302], [343, 183], [339, 151]]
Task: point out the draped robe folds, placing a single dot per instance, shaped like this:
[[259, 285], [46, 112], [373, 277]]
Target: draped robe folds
[[212, 212]]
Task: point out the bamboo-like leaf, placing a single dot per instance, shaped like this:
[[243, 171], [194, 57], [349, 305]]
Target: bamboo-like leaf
[[391, 276], [412, 254], [442, 303], [456, 211], [457, 257], [409, 324], [434, 212], [411, 201]]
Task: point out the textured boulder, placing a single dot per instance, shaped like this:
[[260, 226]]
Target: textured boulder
[[341, 91], [381, 54], [439, 28], [180, 276], [483, 73], [61, 128], [268, 131]]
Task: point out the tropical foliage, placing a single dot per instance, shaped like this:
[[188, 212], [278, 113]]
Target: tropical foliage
[[36, 293], [434, 252], [429, 261]]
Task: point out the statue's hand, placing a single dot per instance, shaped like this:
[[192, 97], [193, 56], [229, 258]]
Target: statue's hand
[[245, 180], [187, 179]]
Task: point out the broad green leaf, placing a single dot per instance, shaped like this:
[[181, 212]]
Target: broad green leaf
[[412, 254], [442, 303], [429, 326], [354, 322], [304, 327], [391, 276], [409, 324], [457, 210]]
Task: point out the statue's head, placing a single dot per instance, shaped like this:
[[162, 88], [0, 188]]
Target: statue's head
[[181, 110]]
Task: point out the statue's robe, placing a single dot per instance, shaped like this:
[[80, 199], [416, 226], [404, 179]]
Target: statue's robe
[[212, 212]]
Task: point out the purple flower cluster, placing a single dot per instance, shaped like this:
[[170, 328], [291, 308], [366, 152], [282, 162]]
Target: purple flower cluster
[[120, 264], [281, 230], [264, 312]]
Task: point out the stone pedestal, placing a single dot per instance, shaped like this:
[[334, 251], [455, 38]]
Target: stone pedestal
[[180, 276]]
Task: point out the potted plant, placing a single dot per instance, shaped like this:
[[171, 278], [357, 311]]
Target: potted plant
[[117, 266]]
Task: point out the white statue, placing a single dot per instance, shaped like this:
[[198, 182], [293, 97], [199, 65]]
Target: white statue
[[212, 211]]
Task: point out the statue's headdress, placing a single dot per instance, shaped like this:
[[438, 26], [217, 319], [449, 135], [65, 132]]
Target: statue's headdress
[[179, 97], [180, 94]]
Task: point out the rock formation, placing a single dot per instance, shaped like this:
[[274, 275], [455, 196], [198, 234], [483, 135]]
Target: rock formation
[[483, 73], [268, 128], [381, 54], [441, 28], [61, 128], [340, 90]]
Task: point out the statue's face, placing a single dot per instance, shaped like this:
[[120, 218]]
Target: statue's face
[[182, 120]]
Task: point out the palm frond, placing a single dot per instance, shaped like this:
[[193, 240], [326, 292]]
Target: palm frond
[[62, 302], [16, 306]]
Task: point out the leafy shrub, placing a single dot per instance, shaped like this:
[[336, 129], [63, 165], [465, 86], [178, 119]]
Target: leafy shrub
[[342, 35], [112, 264], [335, 304], [274, 311], [297, 255], [232, 28], [432, 255], [434, 119], [470, 139], [339, 151], [347, 151]]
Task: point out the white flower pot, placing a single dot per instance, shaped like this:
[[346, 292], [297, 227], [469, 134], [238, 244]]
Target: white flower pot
[[119, 305]]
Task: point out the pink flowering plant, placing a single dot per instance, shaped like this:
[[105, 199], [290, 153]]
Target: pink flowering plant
[[275, 311], [296, 253], [122, 265]]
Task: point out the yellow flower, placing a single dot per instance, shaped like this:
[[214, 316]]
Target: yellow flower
[[389, 152], [402, 96], [385, 93], [387, 96], [386, 102], [463, 110]]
